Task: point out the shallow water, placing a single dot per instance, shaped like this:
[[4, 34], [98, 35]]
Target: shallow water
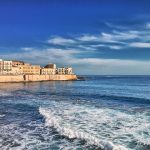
[[102, 112]]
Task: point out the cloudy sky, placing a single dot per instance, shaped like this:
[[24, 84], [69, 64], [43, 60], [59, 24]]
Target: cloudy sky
[[93, 36]]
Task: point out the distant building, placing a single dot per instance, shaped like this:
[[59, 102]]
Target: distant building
[[68, 70], [17, 63], [51, 66], [48, 71], [1, 66], [60, 70], [16, 70], [30, 69], [5, 67], [64, 70], [16, 67]]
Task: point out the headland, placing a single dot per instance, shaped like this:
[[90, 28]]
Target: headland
[[19, 71]]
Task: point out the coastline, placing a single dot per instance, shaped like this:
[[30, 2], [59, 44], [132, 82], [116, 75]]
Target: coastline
[[36, 78]]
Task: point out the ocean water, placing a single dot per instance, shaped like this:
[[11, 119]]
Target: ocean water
[[100, 113]]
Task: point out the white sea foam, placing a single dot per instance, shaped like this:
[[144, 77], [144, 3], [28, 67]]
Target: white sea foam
[[2, 115], [98, 125], [72, 132]]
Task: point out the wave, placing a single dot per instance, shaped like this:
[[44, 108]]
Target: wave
[[70, 132], [1, 115]]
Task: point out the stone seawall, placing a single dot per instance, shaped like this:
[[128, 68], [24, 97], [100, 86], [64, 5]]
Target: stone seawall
[[30, 78]]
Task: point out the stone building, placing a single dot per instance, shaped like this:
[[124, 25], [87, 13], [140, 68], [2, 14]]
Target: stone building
[[64, 70], [68, 70], [16, 70], [1, 66], [48, 71], [61, 70], [30, 69], [53, 66], [5, 66], [17, 63]]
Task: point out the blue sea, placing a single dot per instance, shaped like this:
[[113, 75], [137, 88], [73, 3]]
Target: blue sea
[[98, 113]]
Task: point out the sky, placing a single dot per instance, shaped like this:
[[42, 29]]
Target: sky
[[101, 37]]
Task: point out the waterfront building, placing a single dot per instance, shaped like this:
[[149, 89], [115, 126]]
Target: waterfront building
[[30, 69], [48, 71], [68, 70], [16, 67], [53, 66], [61, 70], [16, 70], [64, 70], [5, 67], [1, 66], [17, 63]]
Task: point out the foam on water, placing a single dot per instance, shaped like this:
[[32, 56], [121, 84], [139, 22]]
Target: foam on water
[[71, 132], [99, 125], [2, 115]]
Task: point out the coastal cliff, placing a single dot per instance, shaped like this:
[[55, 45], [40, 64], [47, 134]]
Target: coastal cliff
[[34, 78]]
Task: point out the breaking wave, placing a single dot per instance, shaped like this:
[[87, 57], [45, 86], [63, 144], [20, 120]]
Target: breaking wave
[[70, 132], [2, 115]]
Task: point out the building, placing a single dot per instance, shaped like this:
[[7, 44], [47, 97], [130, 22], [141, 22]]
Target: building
[[64, 70], [17, 63], [30, 69], [68, 70], [61, 70], [48, 71], [16, 67], [51, 66], [16, 70], [5, 67], [1, 66]]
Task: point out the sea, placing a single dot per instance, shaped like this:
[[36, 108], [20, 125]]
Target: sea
[[95, 113]]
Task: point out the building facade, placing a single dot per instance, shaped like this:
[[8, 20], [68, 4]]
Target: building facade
[[48, 71], [61, 70], [5, 67], [17, 63], [68, 70], [30, 69], [19, 67], [64, 70], [53, 66], [16, 70]]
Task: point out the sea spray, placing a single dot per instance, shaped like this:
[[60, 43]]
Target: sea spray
[[70, 132]]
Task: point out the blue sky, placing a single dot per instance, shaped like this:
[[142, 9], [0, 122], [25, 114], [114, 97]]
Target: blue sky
[[93, 36]]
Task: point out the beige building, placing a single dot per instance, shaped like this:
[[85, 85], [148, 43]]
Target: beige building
[[64, 70], [53, 66], [30, 69], [16, 70], [5, 67], [17, 63], [1, 66], [60, 70], [48, 71], [68, 70]]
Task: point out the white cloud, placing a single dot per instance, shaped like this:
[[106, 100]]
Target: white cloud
[[113, 37], [79, 48], [148, 25], [86, 38], [27, 48], [140, 45], [81, 65], [113, 66], [115, 47], [60, 41]]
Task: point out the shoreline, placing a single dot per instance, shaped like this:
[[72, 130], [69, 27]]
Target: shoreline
[[36, 78]]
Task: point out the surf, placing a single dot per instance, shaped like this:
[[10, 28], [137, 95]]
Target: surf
[[52, 121]]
